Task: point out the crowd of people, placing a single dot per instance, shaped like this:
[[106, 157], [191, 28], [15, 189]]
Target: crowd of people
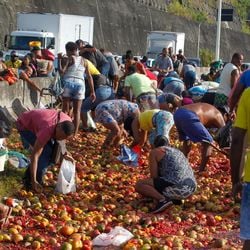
[[144, 103]]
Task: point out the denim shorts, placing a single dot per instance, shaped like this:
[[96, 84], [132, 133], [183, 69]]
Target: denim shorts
[[147, 101], [162, 121], [74, 89], [245, 213]]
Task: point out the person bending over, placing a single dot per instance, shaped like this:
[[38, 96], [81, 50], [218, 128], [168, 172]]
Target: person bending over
[[39, 128], [191, 122], [155, 122], [112, 114]]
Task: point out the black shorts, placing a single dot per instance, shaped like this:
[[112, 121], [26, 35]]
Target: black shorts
[[160, 184]]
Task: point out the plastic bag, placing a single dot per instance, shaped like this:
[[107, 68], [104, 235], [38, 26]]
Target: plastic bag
[[66, 178], [129, 156], [3, 154], [116, 237], [18, 160], [56, 87]]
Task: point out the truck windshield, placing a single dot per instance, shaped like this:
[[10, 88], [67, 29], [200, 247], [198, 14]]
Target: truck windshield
[[22, 42]]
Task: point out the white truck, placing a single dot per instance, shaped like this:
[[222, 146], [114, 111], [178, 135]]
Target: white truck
[[157, 40], [52, 30]]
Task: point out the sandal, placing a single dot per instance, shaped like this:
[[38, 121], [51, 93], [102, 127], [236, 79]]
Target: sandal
[[6, 215]]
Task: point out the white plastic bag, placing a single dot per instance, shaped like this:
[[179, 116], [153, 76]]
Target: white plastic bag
[[115, 237], [90, 121], [3, 154], [66, 178]]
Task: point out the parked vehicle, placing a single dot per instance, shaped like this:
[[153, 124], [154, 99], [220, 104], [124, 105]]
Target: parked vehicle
[[53, 31], [196, 61], [157, 40]]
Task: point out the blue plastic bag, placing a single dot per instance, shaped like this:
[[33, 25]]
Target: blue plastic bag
[[128, 156], [23, 161]]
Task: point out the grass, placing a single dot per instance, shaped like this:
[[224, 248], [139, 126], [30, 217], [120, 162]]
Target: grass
[[11, 177], [10, 180]]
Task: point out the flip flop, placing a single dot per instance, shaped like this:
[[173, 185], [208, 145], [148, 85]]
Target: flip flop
[[4, 221]]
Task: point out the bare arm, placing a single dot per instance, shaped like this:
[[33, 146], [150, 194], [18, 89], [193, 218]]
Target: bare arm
[[236, 96], [36, 152], [63, 64], [90, 81], [238, 135], [116, 83], [127, 93], [140, 136], [234, 77], [31, 83], [153, 166]]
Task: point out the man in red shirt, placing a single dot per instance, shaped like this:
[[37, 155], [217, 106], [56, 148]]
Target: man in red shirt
[[39, 129]]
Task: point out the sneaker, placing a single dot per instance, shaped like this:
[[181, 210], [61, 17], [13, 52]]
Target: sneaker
[[162, 205]]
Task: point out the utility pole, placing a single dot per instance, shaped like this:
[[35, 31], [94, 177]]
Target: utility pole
[[198, 41], [217, 50]]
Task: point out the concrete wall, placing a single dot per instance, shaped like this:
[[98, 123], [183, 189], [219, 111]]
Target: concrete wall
[[20, 97], [123, 24]]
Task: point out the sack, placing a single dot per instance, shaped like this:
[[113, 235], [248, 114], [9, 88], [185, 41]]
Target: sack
[[66, 178], [116, 237], [58, 151], [224, 136], [18, 160], [56, 88], [48, 55], [3, 155], [128, 156]]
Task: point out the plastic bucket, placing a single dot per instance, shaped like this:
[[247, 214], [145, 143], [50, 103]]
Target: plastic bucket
[[3, 159]]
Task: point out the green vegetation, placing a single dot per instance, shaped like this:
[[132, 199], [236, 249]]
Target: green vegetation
[[242, 8], [10, 180], [180, 10], [206, 56], [11, 177], [191, 10]]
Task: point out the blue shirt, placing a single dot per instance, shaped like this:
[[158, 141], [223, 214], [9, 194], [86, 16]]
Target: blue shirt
[[245, 78]]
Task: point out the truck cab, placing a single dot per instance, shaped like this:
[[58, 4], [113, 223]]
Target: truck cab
[[157, 40], [19, 41]]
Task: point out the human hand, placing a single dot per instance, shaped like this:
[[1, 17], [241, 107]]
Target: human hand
[[59, 56], [93, 97], [67, 156], [37, 187], [232, 115], [236, 191]]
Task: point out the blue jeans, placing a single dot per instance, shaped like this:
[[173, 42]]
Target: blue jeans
[[28, 138], [245, 212], [102, 93], [105, 69], [189, 79]]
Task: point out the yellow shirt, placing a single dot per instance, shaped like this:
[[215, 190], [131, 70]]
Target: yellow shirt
[[92, 68], [145, 119], [243, 121], [17, 64]]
